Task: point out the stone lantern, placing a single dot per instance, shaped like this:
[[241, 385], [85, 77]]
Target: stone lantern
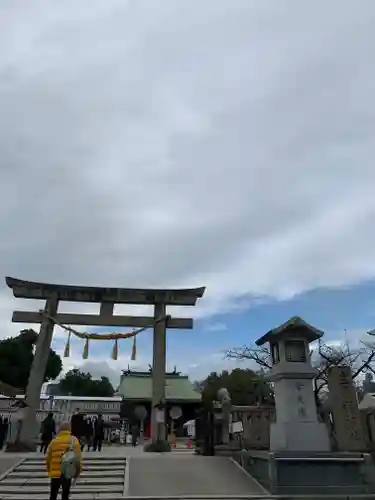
[[297, 427]]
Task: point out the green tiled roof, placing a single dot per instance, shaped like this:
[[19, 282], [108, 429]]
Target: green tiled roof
[[140, 387]]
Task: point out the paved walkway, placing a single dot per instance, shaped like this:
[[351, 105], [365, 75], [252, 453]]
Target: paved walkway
[[7, 462], [148, 474], [188, 475]]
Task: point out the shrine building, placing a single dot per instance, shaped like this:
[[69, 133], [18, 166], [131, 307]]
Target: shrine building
[[136, 390]]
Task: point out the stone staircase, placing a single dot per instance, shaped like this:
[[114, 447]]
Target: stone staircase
[[102, 478]]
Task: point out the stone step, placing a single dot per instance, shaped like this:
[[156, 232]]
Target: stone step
[[41, 490], [99, 481], [36, 468], [89, 456], [88, 464], [111, 496], [85, 473], [116, 496], [73, 496], [88, 460]]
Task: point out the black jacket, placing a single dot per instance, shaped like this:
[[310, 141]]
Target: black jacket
[[48, 428], [89, 429], [77, 424], [99, 428]]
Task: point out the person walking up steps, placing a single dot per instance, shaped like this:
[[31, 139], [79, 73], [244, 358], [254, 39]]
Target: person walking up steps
[[48, 431], [135, 435], [89, 432], [78, 427], [98, 433], [63, 462]]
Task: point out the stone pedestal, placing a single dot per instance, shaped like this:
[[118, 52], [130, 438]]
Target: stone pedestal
[[297, 427], [29, 431], [300, 474], [308, 436]]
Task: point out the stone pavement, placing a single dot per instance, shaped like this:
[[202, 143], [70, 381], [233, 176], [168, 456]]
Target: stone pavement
[[7, 462], [126, 471], [120, 472], [175, 475]]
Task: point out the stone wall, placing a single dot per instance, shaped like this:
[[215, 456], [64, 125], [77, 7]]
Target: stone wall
[[256, 425]]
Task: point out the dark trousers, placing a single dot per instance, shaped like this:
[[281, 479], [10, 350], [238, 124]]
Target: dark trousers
[[56, 483], [97, 444], [88, 442], [44, 445]]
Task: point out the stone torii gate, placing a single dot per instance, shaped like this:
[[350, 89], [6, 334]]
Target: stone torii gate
[[107, 297]]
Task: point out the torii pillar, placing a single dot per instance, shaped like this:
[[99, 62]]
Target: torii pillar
[[29, 428], [159, 351]]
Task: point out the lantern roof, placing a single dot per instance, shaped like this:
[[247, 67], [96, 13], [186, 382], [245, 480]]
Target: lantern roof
[[294, 327]]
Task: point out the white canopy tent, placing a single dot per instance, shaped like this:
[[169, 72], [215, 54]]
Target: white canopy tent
[[190, 428]]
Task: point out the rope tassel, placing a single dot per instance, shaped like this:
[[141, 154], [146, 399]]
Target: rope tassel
[[85, 354], [115, 336], [134, 349], [67, 346], [115, 350]]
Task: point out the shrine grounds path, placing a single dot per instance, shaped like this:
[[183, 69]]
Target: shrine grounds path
[[171, 475], [6, 462], [175, 474]]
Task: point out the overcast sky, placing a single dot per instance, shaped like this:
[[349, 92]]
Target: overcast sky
[[179, 143]]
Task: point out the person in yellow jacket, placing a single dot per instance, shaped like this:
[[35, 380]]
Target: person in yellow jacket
[[63, 442]]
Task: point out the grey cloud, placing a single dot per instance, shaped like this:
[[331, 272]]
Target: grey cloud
[[226, 143]]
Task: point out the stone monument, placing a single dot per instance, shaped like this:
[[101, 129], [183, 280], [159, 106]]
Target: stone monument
[[299, 461], [344, 405]]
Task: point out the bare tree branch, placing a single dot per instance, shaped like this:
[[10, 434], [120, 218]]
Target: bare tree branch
[[323, 358], [260, 355], [364, 365]]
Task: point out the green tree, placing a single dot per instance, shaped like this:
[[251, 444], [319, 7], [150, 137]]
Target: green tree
[[16, 357], [127, 410], [244, 386], [77, 383]]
